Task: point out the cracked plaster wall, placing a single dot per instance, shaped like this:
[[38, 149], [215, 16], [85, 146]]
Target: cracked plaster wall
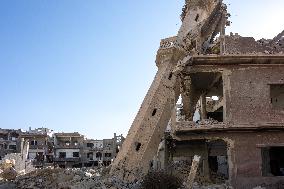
[[248, 95]]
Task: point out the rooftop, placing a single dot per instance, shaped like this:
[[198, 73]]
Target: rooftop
[[75, 134]]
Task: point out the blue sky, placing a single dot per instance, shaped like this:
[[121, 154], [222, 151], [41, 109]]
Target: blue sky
[[86, 66]]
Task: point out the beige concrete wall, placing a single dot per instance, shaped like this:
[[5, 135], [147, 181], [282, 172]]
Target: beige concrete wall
[[248, 99], [246, 91]]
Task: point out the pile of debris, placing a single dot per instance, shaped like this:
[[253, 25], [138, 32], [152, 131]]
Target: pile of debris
[[20, 163], [180, 168], [85, 178], [7, 170], [60, 178], [71, 178], [236, 44], [207, 122]]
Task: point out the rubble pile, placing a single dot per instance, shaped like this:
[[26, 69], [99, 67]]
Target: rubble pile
[[217, 178], [214, 186], [71, 178], [207, 122], [86, 178], [236, 44], [7, 170], [21, 165], [60, 178], [180, 168]]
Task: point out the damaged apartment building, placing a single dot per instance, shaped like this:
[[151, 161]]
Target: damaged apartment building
[[101, 151], [46, 148], [219, 97], [40, 150], [73, 150], [232, 114], [9, 141]]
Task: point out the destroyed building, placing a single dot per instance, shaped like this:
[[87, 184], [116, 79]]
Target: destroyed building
[[9, 142], [40, 147], [68, 149], [93, 150], [46, 148], [239, 135], [101, 151], [215, 106], [231, 90]]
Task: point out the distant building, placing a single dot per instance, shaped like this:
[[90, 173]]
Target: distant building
[[9, 141], [39, 150], [60, 149], [93, 152], [68, 149], [97, 152]]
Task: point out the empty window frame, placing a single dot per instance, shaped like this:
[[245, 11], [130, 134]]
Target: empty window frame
[[76, 154], [67, 143], [277, 95], [98, 155], [90, 155], [62, 154], [33, 143], [12, 147], [272, 161], [90, 145]]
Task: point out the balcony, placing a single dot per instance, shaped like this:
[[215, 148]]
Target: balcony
[[94, 148], [90, 159], [168, 43], [107, 158], [38, 146], [73, 159], [63, 146]]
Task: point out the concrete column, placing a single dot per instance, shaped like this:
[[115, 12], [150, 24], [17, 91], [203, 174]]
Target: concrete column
[[186, 94], [203, 107], [9, 136], [166, 155], [193, 171], [190, 96], [206, 170], [173, 115]]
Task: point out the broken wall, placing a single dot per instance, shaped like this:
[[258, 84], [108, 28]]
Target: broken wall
[[244, 155], [248, 95], [247, 89]]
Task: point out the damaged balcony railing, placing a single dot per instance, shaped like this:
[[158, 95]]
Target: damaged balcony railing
[[168, 43], [68, 159]]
